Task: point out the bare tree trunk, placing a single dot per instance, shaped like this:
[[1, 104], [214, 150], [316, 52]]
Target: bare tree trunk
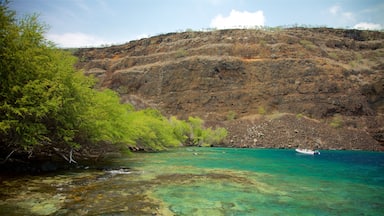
[[8, 156], [70, 157]]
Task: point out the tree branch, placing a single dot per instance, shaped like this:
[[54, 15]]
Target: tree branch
[[8, 156], [70, 157]]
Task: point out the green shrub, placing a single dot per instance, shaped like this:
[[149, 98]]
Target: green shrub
[[333, 55], [337, 121], [308, 44], [151, 131], [193, 132], [181, 129], [181, 53], [261, 110], [231, 115], [214, 137]]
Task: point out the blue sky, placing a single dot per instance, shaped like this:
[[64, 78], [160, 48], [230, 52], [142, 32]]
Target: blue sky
[[79, 23]]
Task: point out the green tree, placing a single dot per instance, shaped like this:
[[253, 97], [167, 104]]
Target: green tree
[[215, 137], [196, 132], [181, 129], [45, 104], [28, 91], [47, 107], [201, 136], [151, 131]]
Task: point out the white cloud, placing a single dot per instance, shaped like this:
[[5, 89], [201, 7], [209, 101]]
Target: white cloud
[[70, 40], [347, 19], [238, 19], [348, 16], [340, 16], [368, 26], [334, 9]]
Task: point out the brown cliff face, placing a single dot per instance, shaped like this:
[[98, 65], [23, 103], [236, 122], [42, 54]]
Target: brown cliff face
[[333, 77]]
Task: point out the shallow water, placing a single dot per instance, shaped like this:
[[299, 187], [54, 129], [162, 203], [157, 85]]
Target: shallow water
[[209, 181]]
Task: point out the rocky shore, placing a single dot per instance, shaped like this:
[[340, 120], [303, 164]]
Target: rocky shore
[[292, 131]]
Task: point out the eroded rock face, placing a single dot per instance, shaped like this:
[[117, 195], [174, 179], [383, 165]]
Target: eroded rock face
[[318, 73]]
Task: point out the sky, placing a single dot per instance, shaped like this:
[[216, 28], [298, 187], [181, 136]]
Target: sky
[[89, 23]]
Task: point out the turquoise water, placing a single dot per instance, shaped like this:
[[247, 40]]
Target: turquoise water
[[209, 181], [275, 182]]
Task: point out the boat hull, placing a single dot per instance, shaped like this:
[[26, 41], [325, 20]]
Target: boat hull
[[307, 151]]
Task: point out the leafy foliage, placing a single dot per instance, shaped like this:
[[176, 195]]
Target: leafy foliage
[[150, 130], [194, 132], [46, 104]]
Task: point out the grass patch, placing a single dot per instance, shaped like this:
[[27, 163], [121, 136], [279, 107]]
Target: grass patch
[[276, 115], [333, 55], [308, 44], [261, 110], [231, 115], [181, 53], [337, 121]]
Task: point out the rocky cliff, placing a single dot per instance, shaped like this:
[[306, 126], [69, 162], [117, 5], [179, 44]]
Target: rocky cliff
[[307, 87]]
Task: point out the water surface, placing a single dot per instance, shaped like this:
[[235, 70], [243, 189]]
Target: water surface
[[209, 181]]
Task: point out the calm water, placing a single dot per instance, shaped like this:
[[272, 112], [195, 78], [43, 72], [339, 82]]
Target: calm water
[[209, 181]]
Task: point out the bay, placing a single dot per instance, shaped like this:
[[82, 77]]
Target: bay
[[208, 181]]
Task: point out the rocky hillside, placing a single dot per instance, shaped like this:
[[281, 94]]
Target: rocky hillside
[[308, 87]]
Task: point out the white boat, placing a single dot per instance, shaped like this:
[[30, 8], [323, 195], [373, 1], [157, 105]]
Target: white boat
[[307, 151]]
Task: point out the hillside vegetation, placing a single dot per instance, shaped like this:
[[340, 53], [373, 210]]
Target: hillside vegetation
[[316, 87], [50, 111]]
